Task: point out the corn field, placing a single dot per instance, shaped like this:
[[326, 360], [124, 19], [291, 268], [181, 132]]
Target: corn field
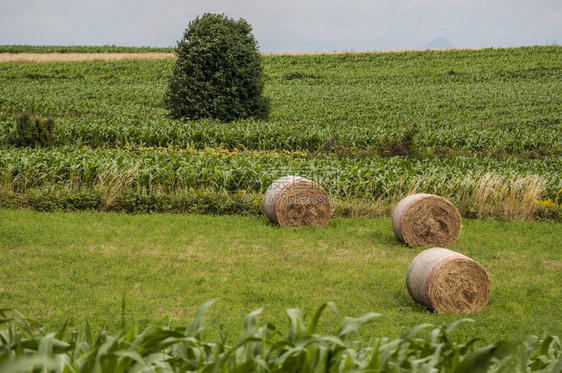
[[364, 126]]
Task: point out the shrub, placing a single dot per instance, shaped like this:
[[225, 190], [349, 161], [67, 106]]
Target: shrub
[[32, 131], [218, 73]]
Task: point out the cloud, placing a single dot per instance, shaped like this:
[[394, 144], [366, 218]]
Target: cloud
[[26, 26], [288, 25], [549, 19], [436, 6]]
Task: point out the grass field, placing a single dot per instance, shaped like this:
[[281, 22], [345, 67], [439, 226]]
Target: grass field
[[58, 266]]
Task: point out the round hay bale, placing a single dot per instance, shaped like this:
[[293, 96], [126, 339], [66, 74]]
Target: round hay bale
[[447, 281], [426, 220], [295, 200]]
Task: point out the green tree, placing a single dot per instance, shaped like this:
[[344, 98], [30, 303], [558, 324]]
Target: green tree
[[218, 72]]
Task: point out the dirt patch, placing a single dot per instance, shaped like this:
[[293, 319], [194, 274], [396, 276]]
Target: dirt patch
[[553, 265]]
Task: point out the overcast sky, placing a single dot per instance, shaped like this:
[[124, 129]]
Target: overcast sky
[[288, 25]]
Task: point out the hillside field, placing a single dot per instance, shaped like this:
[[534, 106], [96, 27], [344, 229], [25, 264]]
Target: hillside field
[[480, 127]]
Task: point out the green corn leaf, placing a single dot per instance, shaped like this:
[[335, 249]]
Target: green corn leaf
[[314, 322], [478, 361], [24, 364], [454, 324], [195, 327], [296, 328], [410, 333], [62, 330], [352, 325]]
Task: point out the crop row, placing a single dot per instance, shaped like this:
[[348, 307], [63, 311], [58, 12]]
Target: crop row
[[163, 171], [138, 130], [137, 121], [510, 138]]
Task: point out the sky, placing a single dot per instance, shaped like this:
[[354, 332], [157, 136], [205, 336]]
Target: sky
[[288, 25]]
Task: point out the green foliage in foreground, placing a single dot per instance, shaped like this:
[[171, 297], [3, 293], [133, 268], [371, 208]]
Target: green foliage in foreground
[[265, 349], [81, 49]]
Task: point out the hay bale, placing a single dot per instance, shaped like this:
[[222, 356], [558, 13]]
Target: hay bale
[[447, 281], [295, 200], [426, 220]]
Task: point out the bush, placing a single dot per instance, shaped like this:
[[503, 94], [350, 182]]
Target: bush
[[32, 131], [218, 72]]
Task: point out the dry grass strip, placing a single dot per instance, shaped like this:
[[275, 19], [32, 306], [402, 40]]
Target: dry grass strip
[[76, 57]]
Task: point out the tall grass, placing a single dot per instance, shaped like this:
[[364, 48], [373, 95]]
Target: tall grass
[[515, 199]]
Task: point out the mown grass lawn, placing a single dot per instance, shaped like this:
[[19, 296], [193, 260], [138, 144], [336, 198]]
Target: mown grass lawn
[[77, 266]]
